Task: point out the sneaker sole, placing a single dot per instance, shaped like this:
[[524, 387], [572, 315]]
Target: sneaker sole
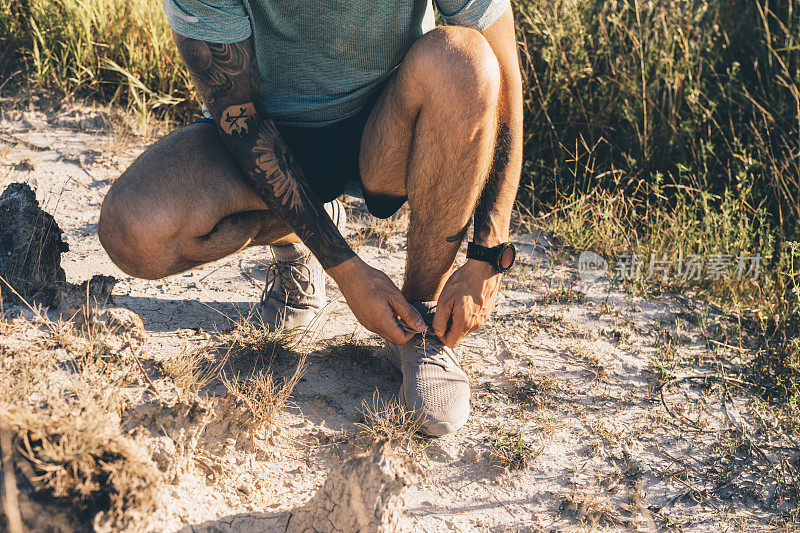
[[299, 328]]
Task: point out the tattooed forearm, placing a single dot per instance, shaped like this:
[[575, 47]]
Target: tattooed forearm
[[486, 212], [235, 118], [226, 77]]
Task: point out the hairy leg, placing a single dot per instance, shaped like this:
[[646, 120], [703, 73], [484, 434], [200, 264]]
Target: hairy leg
[[431, 138], [182, 203]]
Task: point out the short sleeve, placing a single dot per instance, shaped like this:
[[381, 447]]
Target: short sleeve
[[477, 14], [215, 21]]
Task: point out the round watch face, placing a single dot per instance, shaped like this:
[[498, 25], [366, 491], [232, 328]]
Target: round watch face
[[507, 257]]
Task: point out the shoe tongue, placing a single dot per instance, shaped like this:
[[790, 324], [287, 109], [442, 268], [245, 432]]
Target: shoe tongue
[[427, 310], [290, 252]]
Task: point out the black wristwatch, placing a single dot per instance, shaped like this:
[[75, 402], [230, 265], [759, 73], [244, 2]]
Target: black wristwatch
[[501, 257]]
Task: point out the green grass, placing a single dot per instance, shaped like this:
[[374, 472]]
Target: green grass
[[671, 96], [660, 127], [113, 50], [672, 127]]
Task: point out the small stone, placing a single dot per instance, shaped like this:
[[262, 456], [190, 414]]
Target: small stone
[[30, 248], [368, 490]]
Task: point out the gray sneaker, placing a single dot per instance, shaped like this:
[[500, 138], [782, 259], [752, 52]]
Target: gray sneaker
[[434, 385], [295, 282]]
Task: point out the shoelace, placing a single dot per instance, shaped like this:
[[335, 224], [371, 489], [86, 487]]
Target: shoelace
[[290, 274], [438, 357]]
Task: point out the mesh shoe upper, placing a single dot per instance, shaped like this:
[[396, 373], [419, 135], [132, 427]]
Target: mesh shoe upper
[[434, 385]]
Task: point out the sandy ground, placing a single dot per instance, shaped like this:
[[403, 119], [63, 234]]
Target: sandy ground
[[588, 413]]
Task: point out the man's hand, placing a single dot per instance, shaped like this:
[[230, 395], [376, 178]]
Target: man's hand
[[376, 301], [466, 301]]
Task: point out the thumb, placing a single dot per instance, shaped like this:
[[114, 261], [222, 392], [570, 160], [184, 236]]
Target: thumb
[[408, 314], [442, 318]]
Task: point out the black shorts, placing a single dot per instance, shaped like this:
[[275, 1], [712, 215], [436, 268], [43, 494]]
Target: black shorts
[[329, 155]]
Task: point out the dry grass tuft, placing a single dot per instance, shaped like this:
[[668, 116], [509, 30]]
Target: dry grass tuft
[[590, 508], [388, 420], [191, 370], [254, 343], [81, 459], [535, 390], [511, 449], [262, 398], [257, 394], [247, 343], [562, 296], [62, 334]]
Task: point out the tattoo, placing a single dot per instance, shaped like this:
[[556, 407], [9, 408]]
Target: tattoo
[[458, 237], [221, 69], [226, 77], [492, 188], [236, 117], [273, 158]]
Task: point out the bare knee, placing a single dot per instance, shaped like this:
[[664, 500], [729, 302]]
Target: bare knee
[[136, 243], [454, 64]]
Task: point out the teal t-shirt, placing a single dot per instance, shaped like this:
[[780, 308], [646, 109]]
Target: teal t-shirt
[[321, 61]]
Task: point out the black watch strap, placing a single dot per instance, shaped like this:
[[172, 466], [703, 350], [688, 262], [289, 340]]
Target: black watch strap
[[481, 253], [491, 255]]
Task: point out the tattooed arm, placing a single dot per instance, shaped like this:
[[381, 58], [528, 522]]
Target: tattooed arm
[[469, 295], [227, 78]]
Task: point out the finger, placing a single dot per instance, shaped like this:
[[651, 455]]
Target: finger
[[408, 314], [458, 329], [444, 308], [478, 320], [391, 330]]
